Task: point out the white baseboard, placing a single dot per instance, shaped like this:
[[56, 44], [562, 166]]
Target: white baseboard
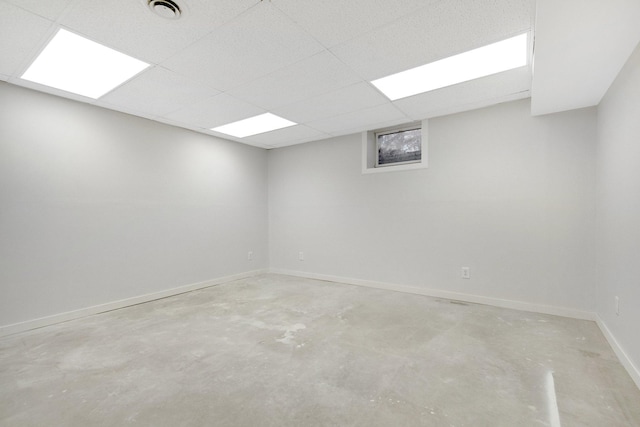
[[628, 364], [88, 311], [478, 299]]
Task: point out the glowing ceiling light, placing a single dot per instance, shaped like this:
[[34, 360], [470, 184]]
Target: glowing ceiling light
[[77, 65], [254, 125], [481, 62]]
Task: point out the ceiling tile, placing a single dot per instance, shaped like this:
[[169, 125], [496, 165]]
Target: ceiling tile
[[335, 21], [256, 44], [294, 134], [345, 100], [158, 91], [444, 29], [50, 9], [372, 126], [313, 76], [21, 36], [467, 95], [129, 26], [360, 119], [215, 111]]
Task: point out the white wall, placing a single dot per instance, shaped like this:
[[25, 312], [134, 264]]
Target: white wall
[[97, 206], [509, 195], [619, 209]]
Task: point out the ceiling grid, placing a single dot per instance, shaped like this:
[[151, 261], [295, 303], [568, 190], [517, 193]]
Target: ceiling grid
[[306, 61]]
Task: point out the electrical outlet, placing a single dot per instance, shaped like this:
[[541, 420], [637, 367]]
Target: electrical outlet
[[617, 301], [300, 256], [250, 256], [466, 274]]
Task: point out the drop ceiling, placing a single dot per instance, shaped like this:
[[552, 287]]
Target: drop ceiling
[[310, 62]]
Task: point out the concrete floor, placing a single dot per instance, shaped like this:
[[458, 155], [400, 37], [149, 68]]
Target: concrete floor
[[282, 351]]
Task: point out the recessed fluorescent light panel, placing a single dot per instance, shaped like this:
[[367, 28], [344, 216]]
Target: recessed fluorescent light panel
[[77, 65], [254, 125], [484, 61]]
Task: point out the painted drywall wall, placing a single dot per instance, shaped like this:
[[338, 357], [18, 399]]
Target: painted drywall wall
[[618, 207], [98, 206], [508, 195]]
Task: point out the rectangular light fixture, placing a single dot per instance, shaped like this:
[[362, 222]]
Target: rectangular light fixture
[[77, 65], [254, 125], [481, 62]]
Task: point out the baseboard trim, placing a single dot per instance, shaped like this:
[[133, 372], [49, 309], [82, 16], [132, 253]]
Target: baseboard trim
[[626, 361], [477, 299], [96, 309]]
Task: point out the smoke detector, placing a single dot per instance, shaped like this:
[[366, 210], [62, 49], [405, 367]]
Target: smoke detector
[[167, 9]]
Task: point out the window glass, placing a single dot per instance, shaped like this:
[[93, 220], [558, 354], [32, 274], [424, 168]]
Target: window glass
[[401, 146]]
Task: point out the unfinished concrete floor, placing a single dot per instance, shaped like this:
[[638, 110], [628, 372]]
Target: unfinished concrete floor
[[282, 351]]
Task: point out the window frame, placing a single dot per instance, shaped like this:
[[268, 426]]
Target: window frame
[[369, 152]]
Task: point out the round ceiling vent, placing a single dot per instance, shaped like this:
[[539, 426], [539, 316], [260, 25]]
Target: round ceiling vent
[[167, 9]]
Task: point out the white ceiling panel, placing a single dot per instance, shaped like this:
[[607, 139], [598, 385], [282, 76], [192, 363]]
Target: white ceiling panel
[[360, 119], [129, 25], [367, 127], [215, 111], [256, 44], [335, 21], [297, 134], [158, 91], [21, 37], [468, 95], [313, 76], [50, 9], [446, 28], [348, 99]]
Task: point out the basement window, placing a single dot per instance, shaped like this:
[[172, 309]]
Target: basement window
[[397, 148]]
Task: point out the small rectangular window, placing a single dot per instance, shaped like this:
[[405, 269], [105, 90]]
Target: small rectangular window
[[400, 146]]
